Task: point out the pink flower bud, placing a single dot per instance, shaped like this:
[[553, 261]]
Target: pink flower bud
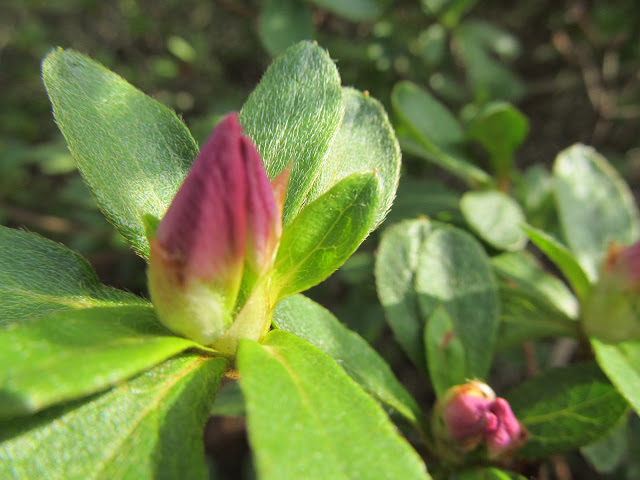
[[224, 218], [470, 415], [610, 312]]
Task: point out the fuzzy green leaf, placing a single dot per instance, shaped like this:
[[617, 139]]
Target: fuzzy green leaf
[[326, 233], [311, 322], [132, 151], [40, 277], [308, 419], [146, 428], [293, 115], [74, 353]]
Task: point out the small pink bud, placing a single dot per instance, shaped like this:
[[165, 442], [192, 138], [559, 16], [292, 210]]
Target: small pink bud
[[610, 312], [224, 217], [470, 415]]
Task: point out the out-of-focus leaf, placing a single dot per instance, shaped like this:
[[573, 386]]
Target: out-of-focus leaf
[[595, 206], [453, 271], [149, 427], [308, 419], [426, 198], [229, 401], [283, 23], [607, 453], [445, 353], [354, 10], [621, 363], [566, 408], [395, 272], [496, 218], [486, 473]]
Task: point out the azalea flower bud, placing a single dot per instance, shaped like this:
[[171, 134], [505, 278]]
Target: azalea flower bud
[[224, 221], [611, 311], [471, 415]]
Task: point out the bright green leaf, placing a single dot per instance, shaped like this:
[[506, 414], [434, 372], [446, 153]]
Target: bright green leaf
[[308, 419], [74, 353], [595, 206], [146, 428], [495, 218], [395, 271], [566, 408], [562, 257], [311, 322], [293, 115], [40, 277], [283, 23], [132, 151], [365, 142], [445, 352], [621, 363], [326, 233], [454, 271], [354, 10]]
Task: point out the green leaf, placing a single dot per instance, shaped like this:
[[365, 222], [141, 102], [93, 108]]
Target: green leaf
[[365, 142], [308, 419], [500, 128], [133, 152], [486, 473], [435, 130], [326, 233], [563, 259], [313, 323], [595, 206], [525, 315], [229, 401], [395, 271], [40, 277], [495, 218], [608, 452], [621, 363], [523, 270], [283, 23], [293, 115], [454, 271], [566, 408], [445, 352], [426, 198], [354, 10], [78, 352], [148, 427]]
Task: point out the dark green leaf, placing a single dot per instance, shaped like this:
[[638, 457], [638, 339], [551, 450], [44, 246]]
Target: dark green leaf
[[426, 198], [229, 401], [395, 271], [566, 408], [283, 23], [293, 115], [354, 10], [78, 352], [486, 473], [132, 151], [495, 218], [621, 363], [562, 257], [454, 271], [308, 419], [326, 233], [146, 428], [365, 142], [595, 206], [311, 322], [608, 452], [445, 353], [40, 277]]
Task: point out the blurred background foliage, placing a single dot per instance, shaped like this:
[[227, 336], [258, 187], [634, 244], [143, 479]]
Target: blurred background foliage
[[559, 72]]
